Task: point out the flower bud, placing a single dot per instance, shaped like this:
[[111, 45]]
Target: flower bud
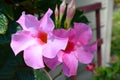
[[56, 16], [70, 11], [56, 12], [62, 9]]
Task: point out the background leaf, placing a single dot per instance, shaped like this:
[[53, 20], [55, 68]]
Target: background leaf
[[3, 23], [40, 75]]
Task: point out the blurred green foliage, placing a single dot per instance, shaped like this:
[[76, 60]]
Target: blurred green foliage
[[116, 24], [108, 73], [115, 47], [116, 2]]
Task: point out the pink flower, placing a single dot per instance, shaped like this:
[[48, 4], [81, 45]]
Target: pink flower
[[78, 48], [37, 39]]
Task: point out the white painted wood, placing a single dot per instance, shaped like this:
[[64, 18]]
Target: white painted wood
[[107, 32]]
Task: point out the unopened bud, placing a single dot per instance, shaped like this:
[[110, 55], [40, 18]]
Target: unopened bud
[[56, 16], [71, 10], [62, 9], [56, 12]]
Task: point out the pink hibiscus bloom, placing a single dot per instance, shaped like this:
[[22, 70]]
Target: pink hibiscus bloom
[[78, 48], [37, 39]]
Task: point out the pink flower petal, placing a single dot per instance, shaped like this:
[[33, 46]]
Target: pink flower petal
[[28, 21], [83, 33], [46, 22], [51, 63], [60, 56], [85, 54], [70, 64], [21, 40], [65, 33], [33, 56], [53, 46]]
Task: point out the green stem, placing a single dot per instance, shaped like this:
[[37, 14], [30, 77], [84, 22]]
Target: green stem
[[47, 74], [66, 24], [57, 75]]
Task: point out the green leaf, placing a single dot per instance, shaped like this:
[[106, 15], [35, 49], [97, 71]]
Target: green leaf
[[7, 9], [24, 73], [13, 67], [3, 23], [80, 17], [40, 75]]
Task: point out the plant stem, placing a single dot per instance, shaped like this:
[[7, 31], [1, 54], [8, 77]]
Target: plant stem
[[57, 75], [47, 74]]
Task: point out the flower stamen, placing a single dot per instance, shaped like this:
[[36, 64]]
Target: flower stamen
[[70, 47], [43, 37]]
